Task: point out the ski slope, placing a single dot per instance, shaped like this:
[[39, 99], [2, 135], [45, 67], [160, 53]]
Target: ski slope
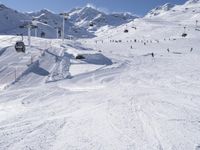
[[118, 98]]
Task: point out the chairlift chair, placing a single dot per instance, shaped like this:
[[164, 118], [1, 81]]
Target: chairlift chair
[[184, 34], [91, 24], [20, 46], [126, 31]]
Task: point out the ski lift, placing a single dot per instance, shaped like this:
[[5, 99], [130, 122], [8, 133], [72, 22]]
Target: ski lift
[[126, 31], [42, 35], [184, 34], [79, 56], [91, 24], [20, 46]]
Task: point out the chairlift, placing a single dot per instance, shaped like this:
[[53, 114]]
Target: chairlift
[[91, 24], [126, 31], [20, 46], [184, 34], [42, 35], [79, 56]]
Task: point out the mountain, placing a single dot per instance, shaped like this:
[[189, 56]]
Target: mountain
[[10, 19], [160, 10], [47, 17], [187, 13], [192, 1], [82, 22], [93, 19]]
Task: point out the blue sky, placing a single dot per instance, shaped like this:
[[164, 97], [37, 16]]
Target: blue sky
[[140, 7]]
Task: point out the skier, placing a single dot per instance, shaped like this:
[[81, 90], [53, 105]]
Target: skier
[[168, 50]]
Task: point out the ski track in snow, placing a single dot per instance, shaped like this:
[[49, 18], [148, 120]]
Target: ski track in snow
[[116, 121]]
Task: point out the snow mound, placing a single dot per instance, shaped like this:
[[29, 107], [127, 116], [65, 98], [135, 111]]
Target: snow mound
[[97, 59]]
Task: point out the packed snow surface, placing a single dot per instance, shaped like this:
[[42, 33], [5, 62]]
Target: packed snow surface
[[116, 96]]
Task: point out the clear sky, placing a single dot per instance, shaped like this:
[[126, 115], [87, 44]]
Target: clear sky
[[140, 7]]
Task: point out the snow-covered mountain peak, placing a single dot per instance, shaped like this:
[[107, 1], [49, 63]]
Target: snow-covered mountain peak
[[92, 19], [161, 9], [2, 6], [192, 2], [89, 7], [46, 11], [89, 11], [42, 12], [166, 7]]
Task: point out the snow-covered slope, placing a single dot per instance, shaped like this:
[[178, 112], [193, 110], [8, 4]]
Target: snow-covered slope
[[135, 90]]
